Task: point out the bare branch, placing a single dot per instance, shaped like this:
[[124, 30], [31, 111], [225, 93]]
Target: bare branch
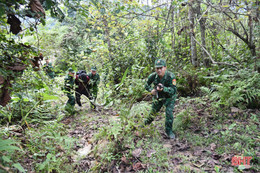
[[201, 16], [238, 35], [210, 57], [171, 7], [144, 13]]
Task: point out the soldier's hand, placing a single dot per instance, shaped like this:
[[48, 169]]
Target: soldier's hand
[[153, 92], [159, 88]]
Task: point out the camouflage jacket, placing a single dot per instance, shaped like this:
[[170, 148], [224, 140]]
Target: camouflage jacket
[[169, 82], [69, 83], [94, 79]]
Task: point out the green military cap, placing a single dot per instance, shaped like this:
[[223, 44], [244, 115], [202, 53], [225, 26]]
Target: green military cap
[[71, 70], [94, 68], [160, 63]]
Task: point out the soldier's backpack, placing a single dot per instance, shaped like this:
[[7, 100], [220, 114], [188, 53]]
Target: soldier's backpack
[[81, 71], [82, 75]]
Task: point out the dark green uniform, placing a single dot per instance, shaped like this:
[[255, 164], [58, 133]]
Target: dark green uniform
[[166, 97], [93, 84], [68, 87], [49, 69]]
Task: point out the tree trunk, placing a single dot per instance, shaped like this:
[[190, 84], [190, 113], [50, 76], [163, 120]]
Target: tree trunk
[[173, 34], [251, 36], [194, 59], [203, 36]]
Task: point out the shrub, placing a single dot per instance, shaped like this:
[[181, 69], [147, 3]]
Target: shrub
[[241, 89]]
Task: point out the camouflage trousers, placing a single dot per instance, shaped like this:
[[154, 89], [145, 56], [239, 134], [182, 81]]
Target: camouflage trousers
[[70, 103], [156, 106], [94, 91]]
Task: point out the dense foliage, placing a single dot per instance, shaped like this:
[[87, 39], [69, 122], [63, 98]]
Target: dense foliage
[[211, 46]]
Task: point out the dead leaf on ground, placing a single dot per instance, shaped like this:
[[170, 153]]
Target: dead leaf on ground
[[138, 166], [215, 131], [216, 156], [124, 160], [85, 150], [198, 164], [122, 168], [127, 146], [167, 146], [227, 157], [176, 161], [199, 152], [184, 147], [213, 162], [137, 134], [137, 152], [150, 153], [235, 110], [180, 146], [67, 121], [213, 146], [128, 169]]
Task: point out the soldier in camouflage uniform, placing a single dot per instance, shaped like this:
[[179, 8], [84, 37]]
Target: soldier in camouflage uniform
[[49, 68], [93, 83], [164, 92], [69, 88]]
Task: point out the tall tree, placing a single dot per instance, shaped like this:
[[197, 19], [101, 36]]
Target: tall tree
[[202, 21], [193, 51]]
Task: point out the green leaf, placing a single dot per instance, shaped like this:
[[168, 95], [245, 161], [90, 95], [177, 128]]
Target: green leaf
[[6, 145], [241, 167], [9, 148], [49, 156], [49, 4], [2, 10], [42, 166], [16, 99], [19, 167], [49, 97], [122, 80], [61, 14], [6, 159], [43, 21], [117, 11], [102, 11], [232, 126], [174, 3]]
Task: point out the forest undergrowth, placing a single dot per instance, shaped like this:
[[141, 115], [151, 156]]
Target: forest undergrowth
[[211, 47], [111, 140], [37, 135]]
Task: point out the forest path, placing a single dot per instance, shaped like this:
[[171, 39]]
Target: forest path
[[180, 154]]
